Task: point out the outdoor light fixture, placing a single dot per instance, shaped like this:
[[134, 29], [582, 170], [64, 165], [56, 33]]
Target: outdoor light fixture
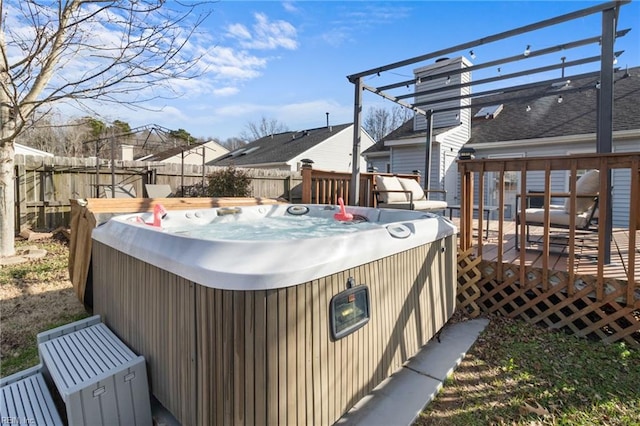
[[473, 55], [560, 99], [528, 108], [598, 84], [448, 80], [527, 51], [466, 153], [499, 69]]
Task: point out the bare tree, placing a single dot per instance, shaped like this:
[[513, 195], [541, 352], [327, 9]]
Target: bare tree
[[78, 51], [234, 143], [264, 127], [379, 122]]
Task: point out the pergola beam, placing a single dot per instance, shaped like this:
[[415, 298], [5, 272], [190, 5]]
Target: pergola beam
[[490, 39], [490, 64], [506, 77]]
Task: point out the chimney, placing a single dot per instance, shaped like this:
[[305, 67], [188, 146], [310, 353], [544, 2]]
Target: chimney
[[327, 119], [127, 152]]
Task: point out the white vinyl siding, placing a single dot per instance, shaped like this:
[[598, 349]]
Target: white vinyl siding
[[335, 152], [446, 119]]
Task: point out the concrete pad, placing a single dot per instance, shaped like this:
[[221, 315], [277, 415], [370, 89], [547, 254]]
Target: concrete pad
[[440, 360], [399, 399], [396, 401]]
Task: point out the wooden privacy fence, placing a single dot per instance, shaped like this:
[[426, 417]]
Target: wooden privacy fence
[[44, 185], [595, 304]]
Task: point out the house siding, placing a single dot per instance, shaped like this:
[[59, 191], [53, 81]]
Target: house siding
[[445, 119], [406, 159], [379, 163], [335, 152]]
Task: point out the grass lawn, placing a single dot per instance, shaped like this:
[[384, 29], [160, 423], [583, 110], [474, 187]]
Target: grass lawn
[[518, 374], [515, 374], [34, 296]]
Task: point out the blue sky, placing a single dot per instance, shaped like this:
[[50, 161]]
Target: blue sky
[[289, 60]]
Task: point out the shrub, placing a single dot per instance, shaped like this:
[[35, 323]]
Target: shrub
[[229, 182]]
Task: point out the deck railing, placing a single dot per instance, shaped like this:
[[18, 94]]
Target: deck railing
[[325, 187], [481, 170]]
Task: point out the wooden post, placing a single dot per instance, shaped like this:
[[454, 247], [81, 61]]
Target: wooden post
[[466, 207], [307, 171]]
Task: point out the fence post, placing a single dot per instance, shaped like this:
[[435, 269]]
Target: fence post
[[307, 171]]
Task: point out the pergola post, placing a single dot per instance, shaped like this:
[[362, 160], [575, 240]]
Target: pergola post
[[354, 189], [427, 155], [604, 137]]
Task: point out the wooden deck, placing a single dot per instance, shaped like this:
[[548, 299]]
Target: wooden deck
[[585, 257]]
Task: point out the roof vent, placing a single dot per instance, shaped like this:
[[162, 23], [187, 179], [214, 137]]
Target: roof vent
[[442, 59]]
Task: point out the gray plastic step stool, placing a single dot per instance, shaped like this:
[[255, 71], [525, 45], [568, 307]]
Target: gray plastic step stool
[[100, 380], [25, 399]]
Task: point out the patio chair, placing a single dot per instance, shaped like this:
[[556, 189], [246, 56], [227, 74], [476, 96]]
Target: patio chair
[[559, 215], [394, 192]]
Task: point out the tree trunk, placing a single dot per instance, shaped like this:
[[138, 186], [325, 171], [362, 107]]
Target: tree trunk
[[7, 200]]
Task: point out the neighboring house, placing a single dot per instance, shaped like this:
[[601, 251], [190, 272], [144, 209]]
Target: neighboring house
[[330, 148], [190, 154], [27, 150], [532, 128]]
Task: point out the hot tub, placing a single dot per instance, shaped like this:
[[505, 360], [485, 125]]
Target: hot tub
[[273, 314]]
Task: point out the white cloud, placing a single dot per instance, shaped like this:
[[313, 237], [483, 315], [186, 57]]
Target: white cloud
[[226, 91], [265, 34], [363, 16], [290, 7], [239, 31]]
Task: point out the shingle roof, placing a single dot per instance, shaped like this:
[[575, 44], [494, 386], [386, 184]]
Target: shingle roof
[[279, 148], [575, 115], [172, 151], [547, 118], [403, 132]]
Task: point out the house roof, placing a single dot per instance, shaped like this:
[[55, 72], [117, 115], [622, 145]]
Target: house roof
[[163, 155], [279, 148], [27, 150], [403, 132], [546, 118]]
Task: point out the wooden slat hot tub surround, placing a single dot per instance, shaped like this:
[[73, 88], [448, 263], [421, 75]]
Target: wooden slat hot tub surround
[[267, 356]]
